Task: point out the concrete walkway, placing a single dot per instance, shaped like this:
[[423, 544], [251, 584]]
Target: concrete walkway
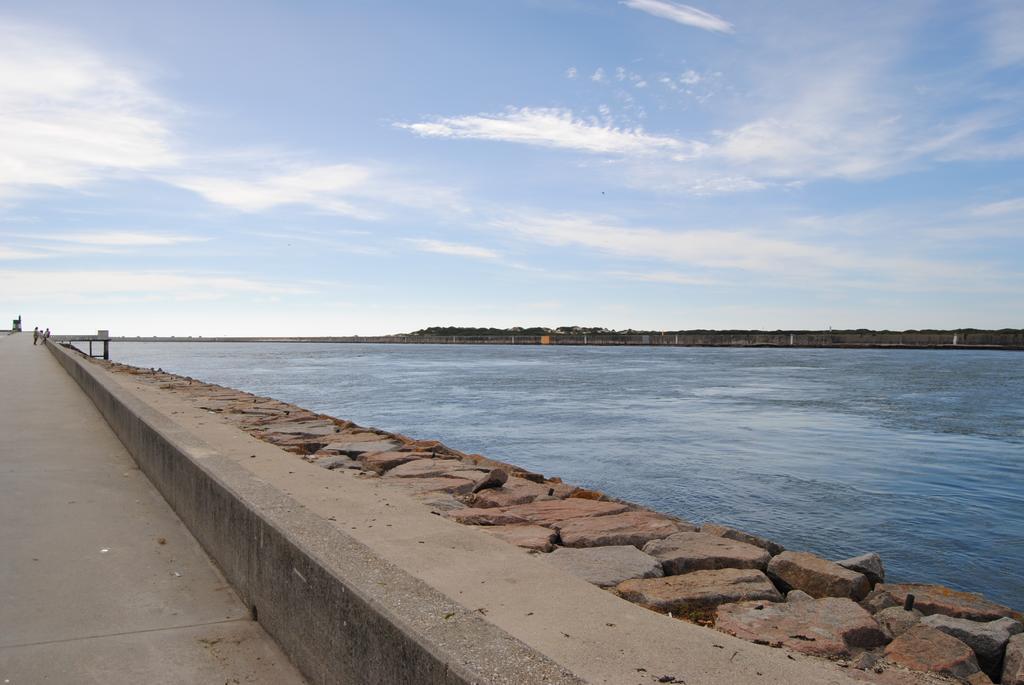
[[99, 580]]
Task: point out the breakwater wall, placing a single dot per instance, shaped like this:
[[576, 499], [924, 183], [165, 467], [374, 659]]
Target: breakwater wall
[[999, 340], [340, 612], [711, 574]]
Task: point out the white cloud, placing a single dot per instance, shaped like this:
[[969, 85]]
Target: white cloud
[[12, 253], [353, 190], [556, 128], [1004, 28], [571, 72], [324, 187], [459, 250], [120, 239], [705, 248], [1014, 206], [758, 253], [690, 77], [681, 14], [68, 116], [598, 75], [671, 277], [32, 285]]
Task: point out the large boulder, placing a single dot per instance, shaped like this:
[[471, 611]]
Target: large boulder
[[987, 638], [518, 490], [605, 566], [496, 516], [312, 428], [869, 564], [425, 468], [379, 462], [894, 621], [457, 482], [686, 552], [354, 447], [635, 528], [877, 600], [1013, 662], [926, 649], [490, 479], [552, 512], [816, 576], [700, 590], [528, 536], [831, 627], [938, 599], [515, 491], [742, 536]]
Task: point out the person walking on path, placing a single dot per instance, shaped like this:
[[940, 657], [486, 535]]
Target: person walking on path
[[35, 335], [46, 335]]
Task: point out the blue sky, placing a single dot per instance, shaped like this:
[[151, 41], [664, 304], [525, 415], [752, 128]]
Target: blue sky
[[373, 167]]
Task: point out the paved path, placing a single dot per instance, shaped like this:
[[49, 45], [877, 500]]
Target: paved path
[[99, 580]]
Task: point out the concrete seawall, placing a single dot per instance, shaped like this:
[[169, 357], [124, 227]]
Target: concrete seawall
[[340, 612]]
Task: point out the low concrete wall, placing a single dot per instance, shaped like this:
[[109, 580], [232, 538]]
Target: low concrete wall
[[340, 612]]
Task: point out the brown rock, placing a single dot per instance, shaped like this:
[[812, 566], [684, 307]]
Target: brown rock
[[816, 576], [700, 590], [1013, 662], [831, 626], [333, 462], [630, 528], [988, 639], [583, 493], [379, 462], [870, 564], [519, 491], [513, 470], [798, 596], [494, 478], [555, 511], [312, 428], [926, 649], [685, 552], [749, 538], [938, 599], [879, 599], [515, 491], [450, 484], [528, 536], [425, 468], [355, 447], [605, 566], [895, 621], [473, 516]]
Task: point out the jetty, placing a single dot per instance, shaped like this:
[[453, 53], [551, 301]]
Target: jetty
[[365, 556]]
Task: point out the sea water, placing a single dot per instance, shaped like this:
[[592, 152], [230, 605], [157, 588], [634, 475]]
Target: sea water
[[915, 454]]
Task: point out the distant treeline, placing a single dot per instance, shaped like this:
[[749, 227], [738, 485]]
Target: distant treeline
[[464, 331]]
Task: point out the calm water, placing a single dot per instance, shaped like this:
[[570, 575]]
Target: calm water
[[918, 455]]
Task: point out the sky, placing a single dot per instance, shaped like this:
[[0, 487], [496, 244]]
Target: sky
[[371, 167]]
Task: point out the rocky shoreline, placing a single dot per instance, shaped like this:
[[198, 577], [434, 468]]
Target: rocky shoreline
[[711, 574]]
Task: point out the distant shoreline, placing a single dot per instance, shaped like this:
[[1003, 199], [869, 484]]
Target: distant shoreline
[[980, 340]]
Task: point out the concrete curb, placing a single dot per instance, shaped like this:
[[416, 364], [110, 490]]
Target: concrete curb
[[340, 612]]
